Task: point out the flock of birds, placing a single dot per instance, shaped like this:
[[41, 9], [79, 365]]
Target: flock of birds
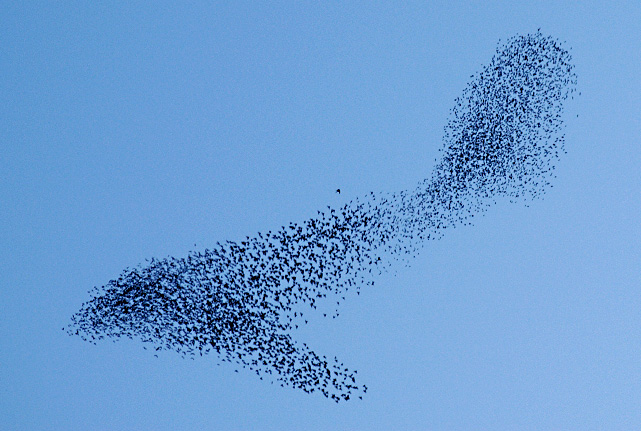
[[242, 300]]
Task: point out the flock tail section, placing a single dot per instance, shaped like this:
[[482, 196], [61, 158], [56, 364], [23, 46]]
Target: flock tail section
[[242, 300]]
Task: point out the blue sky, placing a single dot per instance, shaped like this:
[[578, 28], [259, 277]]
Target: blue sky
[[133, 130]]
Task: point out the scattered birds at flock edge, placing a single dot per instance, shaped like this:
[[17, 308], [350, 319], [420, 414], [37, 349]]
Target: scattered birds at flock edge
[[242, 300]]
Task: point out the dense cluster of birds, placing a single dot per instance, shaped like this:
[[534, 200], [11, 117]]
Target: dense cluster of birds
[[243, 300]]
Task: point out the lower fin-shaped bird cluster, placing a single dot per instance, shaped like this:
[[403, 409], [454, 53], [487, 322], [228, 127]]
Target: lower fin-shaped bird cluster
[[242, 300]]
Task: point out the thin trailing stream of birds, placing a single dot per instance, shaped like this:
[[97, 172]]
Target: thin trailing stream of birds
[[243, 300]]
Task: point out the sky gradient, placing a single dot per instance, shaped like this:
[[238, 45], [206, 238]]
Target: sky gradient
[[136, 131]]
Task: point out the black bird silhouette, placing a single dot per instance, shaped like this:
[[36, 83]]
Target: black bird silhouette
[[338, 191], [242, 300]]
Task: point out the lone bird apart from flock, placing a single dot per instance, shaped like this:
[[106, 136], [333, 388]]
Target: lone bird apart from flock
[[243, 300]]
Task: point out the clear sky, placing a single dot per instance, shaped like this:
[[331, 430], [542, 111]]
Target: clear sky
[[131, 130]]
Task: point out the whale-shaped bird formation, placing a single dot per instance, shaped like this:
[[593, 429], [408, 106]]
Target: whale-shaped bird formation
[[243, 299]]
